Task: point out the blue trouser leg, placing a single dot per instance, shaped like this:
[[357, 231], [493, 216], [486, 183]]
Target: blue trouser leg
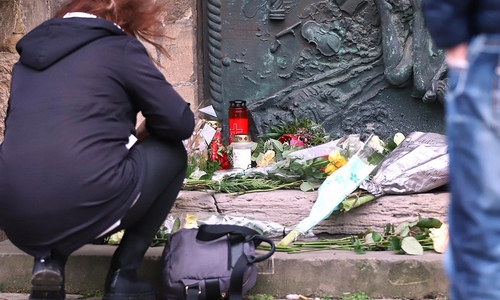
[[473, 128]]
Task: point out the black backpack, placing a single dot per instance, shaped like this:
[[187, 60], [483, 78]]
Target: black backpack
[[212, 262]]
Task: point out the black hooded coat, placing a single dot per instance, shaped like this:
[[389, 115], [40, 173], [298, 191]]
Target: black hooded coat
[[65, 172]]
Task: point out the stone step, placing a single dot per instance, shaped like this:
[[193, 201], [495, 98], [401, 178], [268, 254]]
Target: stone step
[[382, 274], [289, 207]]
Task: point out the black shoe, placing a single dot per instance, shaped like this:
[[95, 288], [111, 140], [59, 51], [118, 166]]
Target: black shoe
[[125, 285], [47, 279]]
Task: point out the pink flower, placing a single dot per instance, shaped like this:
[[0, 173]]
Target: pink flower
[[296, 142]]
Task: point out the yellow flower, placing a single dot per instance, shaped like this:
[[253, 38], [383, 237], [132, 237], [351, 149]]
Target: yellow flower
[[330, 168], [191, 221], [340, 162], [336, 159], [266, 159], [439, 238]]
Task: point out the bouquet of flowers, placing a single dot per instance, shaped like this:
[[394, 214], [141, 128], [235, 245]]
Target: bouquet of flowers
[[339, 184]]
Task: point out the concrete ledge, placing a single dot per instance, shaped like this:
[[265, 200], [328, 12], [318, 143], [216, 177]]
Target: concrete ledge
[[378, 274]]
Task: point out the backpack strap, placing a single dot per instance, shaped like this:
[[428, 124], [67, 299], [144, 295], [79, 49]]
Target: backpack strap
[[192, 292], [212, 232], [257, 240], [212, 289], [236, 282]]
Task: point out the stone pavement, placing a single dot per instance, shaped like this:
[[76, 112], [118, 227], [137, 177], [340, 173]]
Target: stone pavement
[[315, 274], [380, 275]]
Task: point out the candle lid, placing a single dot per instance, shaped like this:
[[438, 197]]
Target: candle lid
[[241, 138], [237, 104]]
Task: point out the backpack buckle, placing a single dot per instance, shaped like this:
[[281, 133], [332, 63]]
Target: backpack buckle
[[191, 287]]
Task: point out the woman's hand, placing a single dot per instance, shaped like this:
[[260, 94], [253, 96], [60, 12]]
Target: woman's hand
[[141, 132]]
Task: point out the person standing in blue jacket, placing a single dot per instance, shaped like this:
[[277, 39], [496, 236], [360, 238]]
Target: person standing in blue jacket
[[469, 30], [73, 165]]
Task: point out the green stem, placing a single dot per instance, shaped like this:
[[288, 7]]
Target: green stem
[[283, 186]]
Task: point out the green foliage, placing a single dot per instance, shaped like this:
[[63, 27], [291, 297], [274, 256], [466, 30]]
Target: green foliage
[[429, 223], [199, 161], [191, 166], [355, 296], [376, 158], [318, 133], [162, 235], [293, 169], [239, 184]]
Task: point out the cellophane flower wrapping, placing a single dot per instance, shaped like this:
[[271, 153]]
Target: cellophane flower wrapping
[[335, 188], [419, 164], [308, 163]]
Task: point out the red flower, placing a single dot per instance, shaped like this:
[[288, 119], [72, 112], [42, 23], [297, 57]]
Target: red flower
[[287, 137], [218, 151], [224, 162]]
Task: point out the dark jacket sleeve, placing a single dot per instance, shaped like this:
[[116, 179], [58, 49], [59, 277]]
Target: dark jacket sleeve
[[167, 115], [448, 21]]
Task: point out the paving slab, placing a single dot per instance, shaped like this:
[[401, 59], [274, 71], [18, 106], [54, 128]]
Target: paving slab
[[383, 274]]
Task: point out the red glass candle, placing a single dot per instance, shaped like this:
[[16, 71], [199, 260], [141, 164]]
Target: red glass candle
[[238, 118]]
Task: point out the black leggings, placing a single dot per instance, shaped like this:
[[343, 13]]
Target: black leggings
[[167, 164]]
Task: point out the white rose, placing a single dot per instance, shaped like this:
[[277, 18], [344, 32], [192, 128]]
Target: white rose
[[398, 138], [377, 144], [439, 238], [116, 238]]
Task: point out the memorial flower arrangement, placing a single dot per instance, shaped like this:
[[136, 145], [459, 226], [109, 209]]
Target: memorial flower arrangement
[[301, 155], [207, 161], [406, 238], [274, 163], [411, 238]]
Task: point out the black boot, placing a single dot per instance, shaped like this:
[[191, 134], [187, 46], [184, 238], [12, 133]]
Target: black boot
[[122, 282], [47, 277]]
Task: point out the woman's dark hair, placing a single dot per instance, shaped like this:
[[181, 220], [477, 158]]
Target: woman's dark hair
[[139, 18]]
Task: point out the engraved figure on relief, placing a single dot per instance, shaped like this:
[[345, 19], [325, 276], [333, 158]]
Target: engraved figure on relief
[[411, 57], [327, 42]]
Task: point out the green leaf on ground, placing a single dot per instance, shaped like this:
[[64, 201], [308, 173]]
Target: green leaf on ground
[[403, 229], [429, 223], [306, 186], [410, 245], [396, 243]]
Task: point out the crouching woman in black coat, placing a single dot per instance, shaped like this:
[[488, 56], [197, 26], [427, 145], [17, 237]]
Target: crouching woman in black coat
[[73, 167]]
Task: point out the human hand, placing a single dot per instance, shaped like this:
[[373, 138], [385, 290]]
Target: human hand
[[457, 56], [141, 131]]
